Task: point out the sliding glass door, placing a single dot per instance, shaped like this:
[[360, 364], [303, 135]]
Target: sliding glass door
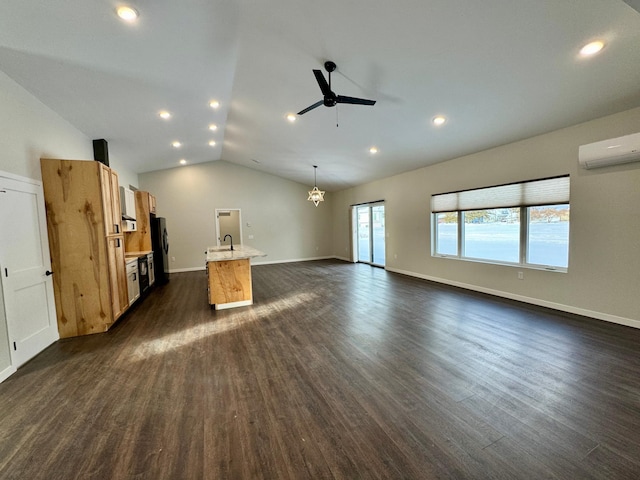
[[370, 233]]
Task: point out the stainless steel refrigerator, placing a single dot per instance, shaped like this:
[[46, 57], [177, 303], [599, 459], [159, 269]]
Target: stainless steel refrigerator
[[160, 245]]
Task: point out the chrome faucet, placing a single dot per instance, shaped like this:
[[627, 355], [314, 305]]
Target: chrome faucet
[[225, 238]]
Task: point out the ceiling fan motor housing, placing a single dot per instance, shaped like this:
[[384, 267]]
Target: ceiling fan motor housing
[[329, 66], [330, 100]]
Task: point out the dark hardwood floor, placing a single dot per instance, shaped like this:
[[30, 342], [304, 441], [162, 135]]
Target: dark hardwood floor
[[337, 371]]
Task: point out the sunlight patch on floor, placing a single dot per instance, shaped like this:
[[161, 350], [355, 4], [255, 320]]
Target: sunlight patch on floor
[[244, 316]]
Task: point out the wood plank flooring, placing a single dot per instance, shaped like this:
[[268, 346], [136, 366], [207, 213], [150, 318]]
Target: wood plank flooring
[[337, 371]]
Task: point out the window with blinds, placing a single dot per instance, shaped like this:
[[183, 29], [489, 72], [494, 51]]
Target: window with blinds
[[524, 224]]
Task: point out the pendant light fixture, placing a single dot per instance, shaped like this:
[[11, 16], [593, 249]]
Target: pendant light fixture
[[316, 196]]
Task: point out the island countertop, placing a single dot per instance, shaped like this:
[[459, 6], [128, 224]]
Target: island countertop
[[223, 253]]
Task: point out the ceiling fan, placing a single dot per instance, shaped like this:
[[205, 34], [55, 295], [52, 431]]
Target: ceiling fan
[[330, 98]]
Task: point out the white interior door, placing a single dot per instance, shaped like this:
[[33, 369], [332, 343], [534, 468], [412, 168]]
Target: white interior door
[[25, 264]]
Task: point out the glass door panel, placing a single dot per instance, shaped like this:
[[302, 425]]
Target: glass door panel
[[377, 234], [364, 237]]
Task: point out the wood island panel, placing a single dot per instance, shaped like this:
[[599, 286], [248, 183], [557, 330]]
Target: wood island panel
[[229, 281]]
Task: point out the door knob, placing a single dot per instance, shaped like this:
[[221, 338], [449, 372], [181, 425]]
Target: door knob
[[47, 273]]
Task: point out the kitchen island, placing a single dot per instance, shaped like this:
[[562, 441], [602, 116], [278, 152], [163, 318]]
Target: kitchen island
[[229, 275]]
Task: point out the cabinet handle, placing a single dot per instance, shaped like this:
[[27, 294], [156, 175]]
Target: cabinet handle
[[135, 277], [117, 227], [117, 243]]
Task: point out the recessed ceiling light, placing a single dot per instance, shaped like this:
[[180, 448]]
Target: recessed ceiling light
[[213, 127], [176, 144], [164, 114], [439, 120], [128, 14], [214, 104], [373, 150], [183, 161], [212, 143], [291, 117], [591, 48]]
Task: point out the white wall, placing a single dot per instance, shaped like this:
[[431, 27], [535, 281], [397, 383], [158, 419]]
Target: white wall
[[604, 266], [125, 176], [283, 223], [30, 130]]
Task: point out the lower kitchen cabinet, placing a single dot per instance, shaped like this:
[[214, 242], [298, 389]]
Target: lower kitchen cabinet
[[133, 283]]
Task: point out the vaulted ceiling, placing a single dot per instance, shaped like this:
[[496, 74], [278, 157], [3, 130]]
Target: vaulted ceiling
[[498, 70]]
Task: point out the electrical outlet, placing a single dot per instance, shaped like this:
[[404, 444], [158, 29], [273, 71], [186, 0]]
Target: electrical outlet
[[250, 237], [173, 259], [520, 275], [395, 256]]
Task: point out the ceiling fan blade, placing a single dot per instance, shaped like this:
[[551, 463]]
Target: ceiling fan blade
[[322, 82], [317, 104], [355, 101]]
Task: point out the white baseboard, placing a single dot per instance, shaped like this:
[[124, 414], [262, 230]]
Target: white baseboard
[[629, 322], [6, 373], [292, 260], [242, 303], [190, 269]]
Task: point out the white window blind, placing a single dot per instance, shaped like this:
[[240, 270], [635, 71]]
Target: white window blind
[[548, 191]]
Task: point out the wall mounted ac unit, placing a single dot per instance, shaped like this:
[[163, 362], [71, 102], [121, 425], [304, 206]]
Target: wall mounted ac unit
[[610, 152]]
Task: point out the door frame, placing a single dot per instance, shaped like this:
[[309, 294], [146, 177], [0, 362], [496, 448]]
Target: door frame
[[217, 215], [354, 232], [49, 335]]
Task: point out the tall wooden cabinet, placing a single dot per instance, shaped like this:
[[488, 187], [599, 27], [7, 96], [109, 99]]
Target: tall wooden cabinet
[[87, 245]]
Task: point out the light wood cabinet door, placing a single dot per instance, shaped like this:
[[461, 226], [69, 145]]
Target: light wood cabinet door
[[110, 201], [116, 210], [117, 275], [140, 239], [74, 202]]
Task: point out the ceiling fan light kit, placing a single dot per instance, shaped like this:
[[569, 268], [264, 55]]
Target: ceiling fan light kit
[[330, 99]]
